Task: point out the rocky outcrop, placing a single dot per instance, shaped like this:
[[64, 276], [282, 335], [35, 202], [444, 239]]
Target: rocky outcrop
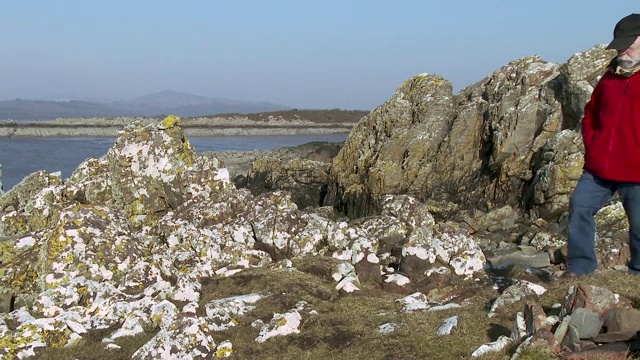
[[509, 139], [124, 245], [142, 242]]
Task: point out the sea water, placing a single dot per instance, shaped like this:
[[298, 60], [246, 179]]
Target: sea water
[[20, 157]]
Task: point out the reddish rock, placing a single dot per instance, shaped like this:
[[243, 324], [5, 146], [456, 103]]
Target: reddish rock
[[590, 297], [621, 319], [544, 338], [613, 351], [535, 318], [612, 258], [368, 271]]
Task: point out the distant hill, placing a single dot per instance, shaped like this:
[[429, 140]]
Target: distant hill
[[157, 104], [188, 105], [47, 110]]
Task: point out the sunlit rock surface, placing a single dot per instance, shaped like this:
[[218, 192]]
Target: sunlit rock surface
[[430, 185]]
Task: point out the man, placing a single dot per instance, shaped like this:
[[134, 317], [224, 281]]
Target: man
[[611, 135]]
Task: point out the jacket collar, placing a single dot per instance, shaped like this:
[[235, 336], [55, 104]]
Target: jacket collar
[[616, 69]]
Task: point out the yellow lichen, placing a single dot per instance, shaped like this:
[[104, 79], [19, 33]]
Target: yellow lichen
[[170, 121], [224, 351], [281, 322]]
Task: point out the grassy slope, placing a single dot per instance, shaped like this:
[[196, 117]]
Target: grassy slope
[[346, 327]]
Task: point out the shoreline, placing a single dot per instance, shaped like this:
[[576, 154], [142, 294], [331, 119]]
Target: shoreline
[[218, 127]]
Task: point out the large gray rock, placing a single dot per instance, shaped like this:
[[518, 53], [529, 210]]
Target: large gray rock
[[393, 149], [475, 148]]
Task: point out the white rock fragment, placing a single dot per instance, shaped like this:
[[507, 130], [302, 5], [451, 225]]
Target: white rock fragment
[[349, 283], [414, 302], [26, 241], [343, 270], [388, 328], [280, 325], [76, 327], [444, 307], [190, 308], [447, 326], [519, 330], [283, 324], [164, 313], [186, 338], [221, 313], [398, 279], [73, 339], [495, 346], [222, 175], [515, 293], [224, 349], [132, 326]]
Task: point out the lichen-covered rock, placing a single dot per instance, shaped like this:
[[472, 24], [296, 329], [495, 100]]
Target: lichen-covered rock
[[275, 221], [155, 169], [458, 252], [32, 205], [475, 148], [19, 272], [31, 333], [187, 338], [90, 182], [284, 324], [89, 241], [221, 313], [392, 149], [514, 293], [557, 166]]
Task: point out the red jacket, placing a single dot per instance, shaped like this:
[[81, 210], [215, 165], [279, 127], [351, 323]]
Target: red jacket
[[611, 128]]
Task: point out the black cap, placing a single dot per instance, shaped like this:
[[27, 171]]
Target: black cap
[[626, 32]]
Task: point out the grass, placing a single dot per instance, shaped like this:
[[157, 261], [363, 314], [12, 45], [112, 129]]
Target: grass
[[346, 327]]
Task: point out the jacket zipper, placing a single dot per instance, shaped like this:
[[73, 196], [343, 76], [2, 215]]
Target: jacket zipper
[[613, 130]]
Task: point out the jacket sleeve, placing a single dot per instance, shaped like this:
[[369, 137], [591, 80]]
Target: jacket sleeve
[[591, 120]]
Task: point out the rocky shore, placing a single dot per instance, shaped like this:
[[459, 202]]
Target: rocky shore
[[437, 230], [203, 126]]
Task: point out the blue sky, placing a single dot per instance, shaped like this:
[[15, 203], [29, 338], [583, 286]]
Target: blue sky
[[349, 54]]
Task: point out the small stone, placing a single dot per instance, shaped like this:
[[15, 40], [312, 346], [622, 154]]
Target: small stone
[[447, 326]]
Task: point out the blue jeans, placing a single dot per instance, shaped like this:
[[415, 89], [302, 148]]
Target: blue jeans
[[589, 196]]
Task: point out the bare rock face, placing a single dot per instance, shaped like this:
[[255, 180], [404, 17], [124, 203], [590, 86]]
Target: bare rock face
[[393, 149], [558, 166], [305, 179], [480, 147]]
